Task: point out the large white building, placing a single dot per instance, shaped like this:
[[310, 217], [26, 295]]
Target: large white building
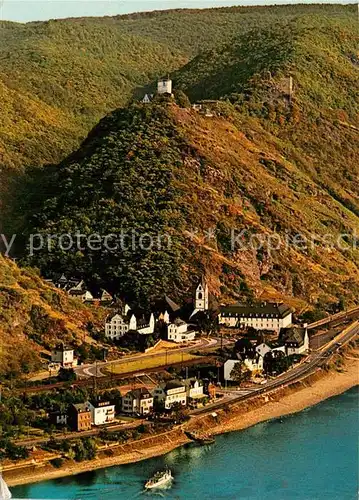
[[137, 401], [173, 392], [102, 412], [117, 325], [178, 332], [265, 316]]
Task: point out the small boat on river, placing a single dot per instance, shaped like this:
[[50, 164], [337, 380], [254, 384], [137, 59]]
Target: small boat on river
[[160, 480], [200, 439]]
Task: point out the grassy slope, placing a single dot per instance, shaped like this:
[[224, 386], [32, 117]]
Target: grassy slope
[[34, 317]]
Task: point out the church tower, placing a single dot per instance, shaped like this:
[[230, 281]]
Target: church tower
[[201, 302]]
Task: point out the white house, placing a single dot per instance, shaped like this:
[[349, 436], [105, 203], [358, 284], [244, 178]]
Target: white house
[[144, 327], [106, 298], [64, 355], [164, 86], [173, 392], [138, 401], [166, 309], [295, 339], [279, 349], [79, 291], [165, 317], [83, 295], [195, 391], [228, 367], [147, 98], [62, 282], [178, 332], [194, 388], [265, 316], [117, 325], [262, 349], [102, 412], [254, 364]]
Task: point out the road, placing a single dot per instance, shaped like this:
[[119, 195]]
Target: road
[[305, 368], [84, 371], [73, 435], [321, 338], [95, 369]]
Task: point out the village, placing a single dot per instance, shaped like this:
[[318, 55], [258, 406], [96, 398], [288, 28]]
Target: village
[[261, 341]]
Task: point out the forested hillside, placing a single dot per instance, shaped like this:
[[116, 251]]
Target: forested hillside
[[266, 161], [35, 317], [321, 123], [163, 170]]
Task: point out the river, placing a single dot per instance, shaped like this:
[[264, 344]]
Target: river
[[309, 455]]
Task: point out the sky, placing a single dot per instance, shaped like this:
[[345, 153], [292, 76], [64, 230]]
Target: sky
[[34, 10]]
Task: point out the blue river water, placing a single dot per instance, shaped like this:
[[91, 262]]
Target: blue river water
[[310, 455]]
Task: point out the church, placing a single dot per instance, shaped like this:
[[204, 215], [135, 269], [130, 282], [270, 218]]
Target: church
[[201, 300]]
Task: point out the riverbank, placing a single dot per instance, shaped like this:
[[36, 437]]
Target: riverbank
[[300, 395]]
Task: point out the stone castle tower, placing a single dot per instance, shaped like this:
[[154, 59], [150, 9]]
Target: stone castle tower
[[164, 86]]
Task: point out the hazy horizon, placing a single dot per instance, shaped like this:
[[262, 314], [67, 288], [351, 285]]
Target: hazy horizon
[[30, 10]]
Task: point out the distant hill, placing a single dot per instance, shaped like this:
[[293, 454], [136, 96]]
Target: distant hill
[[58, 78], [321, 124]]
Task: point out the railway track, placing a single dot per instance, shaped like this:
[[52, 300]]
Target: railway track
[[295, 375], [100, 381], [339, 317]]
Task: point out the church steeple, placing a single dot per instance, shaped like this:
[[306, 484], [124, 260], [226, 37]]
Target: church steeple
[[201, 299]]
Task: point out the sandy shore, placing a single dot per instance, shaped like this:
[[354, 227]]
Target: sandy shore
[[329, 385], [316, 388]]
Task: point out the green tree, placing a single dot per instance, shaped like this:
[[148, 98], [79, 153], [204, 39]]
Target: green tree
[[207, 322], [179, 413], [182, 99], [67, 374], [240, 373]]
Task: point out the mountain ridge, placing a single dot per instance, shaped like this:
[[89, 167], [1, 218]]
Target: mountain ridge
[[263, 162], [241, 183]]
